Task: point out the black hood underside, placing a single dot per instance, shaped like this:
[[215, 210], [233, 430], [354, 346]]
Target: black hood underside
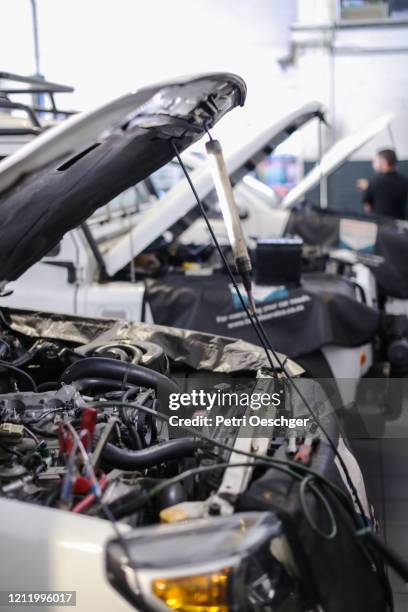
[[42, 205]]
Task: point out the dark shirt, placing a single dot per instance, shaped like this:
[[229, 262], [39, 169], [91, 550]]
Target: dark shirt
[[388, 193]]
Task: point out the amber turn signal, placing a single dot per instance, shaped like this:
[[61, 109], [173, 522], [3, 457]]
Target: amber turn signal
[[199, 593]]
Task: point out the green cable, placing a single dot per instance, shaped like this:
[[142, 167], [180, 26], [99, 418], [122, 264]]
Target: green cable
[[307, 482]]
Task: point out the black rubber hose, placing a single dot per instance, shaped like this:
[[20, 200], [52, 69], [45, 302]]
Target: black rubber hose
[[123, 459], [136, 498], [96, 367], [100, 383]]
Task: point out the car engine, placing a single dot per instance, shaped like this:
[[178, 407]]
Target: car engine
[[67, 414]]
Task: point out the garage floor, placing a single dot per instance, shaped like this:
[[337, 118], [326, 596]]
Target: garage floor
[[385, 466]]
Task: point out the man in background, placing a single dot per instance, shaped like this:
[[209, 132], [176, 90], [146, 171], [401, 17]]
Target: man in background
[[387, 192]]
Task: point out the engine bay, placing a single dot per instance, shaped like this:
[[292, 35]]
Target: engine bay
[[80, 427]]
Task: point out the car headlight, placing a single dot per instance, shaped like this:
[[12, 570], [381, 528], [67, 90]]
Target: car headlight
[[219, 564]]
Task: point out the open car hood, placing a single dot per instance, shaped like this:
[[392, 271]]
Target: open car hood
[[179, 201], [57, 181], [337, 155]]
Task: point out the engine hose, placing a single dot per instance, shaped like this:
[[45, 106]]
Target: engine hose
[[123, 459], [101, 383], [103, 367], [131, 502]]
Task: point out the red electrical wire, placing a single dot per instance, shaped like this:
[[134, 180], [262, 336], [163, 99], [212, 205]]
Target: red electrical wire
[[89, 499]]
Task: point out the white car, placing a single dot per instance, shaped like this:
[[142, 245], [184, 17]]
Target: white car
[[89, 463]]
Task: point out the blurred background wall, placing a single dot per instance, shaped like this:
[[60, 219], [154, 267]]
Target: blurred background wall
[[111, 46], [350, 54]]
